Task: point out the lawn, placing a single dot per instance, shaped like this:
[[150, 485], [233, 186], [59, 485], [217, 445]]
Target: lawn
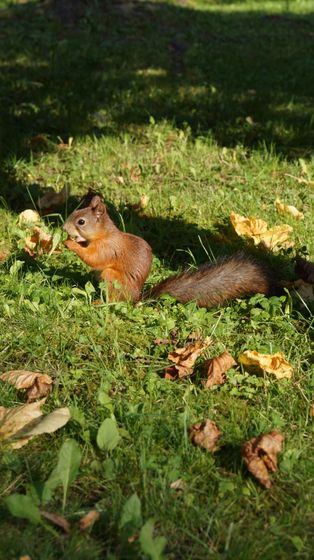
[[205, 107]]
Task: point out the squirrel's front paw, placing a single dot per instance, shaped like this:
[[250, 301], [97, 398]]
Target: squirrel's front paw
[[69, 243]]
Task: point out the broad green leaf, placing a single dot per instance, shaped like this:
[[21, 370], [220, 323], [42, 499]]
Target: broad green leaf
[[21, 505], [151, 546], [131, 512], [67, 467], [108, 435]]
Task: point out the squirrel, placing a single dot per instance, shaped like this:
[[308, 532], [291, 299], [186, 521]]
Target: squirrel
[[124, 262]]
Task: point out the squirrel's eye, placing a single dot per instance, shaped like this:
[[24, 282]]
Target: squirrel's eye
[[81, 222]]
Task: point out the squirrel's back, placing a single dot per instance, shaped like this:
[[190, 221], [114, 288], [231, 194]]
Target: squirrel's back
[[213, 284]]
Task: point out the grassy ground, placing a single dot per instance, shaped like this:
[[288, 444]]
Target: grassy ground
[[206, 107]]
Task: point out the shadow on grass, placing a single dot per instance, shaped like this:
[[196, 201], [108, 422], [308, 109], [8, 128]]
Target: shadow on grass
[[92, 68], [84, 67]]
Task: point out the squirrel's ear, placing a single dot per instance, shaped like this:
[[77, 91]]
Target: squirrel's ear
[[95, 201], [97, 206]]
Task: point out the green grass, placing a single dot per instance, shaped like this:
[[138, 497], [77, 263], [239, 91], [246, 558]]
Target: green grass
[[156, 96]]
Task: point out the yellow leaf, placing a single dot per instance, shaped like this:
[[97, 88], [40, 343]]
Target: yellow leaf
[[257, 230], [287, 209], [271, 363]]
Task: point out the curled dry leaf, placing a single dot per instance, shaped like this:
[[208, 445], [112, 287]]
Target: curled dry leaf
[[305, 290], [184, 358], [216, 369], [271, 363], [205, 434], [38, 243], [161, 341], [28, 217], [178, 484], [52, 199], [38, 384], [3, 255], [257, 229], [141, 204], [18, 425], [305, 269], [260, 455], [287, 209], [57, 520], [89, 519]]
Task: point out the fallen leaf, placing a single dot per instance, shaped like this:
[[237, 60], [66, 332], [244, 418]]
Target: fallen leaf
[[21, 423], [257, 230], [161, 341], [89, 519], [171, 372], [216, 369], [271, 363], [287, 209], [40, 142], [305, 290], [178, 484], [38, 243], [141, 204], [305, 269], [52, 199], [38, 384], [184, 358], [135, 174], [3, 255], [205, 434], [57, 520], [260, 455], [25, 557], [28, 217]]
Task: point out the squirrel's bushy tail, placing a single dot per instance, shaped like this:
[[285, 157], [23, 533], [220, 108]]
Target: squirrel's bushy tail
[[213, 284]]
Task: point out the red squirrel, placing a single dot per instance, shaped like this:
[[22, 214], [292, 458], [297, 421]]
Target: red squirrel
[[124, 262]]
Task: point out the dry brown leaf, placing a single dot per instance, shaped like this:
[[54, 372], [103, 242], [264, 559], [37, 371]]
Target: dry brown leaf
[[3, 255], [18, 425], [287, 209], [312, 409], [161, 341], [28, 217], [205, 434], [57, 520], [52, 199], [216, 369], [89, 519], [257, 230], [271, 363], [39, 142], [25, 557], [135, 174], [260, 455], [38, 384], [184, 358], [305, 290], [305, 269], [38, 243]]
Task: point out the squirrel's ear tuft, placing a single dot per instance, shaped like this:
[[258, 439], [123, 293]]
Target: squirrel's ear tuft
[[98, 207], [96, 200]]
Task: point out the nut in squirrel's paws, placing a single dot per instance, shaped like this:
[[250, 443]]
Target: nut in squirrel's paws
[[70, 243]]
